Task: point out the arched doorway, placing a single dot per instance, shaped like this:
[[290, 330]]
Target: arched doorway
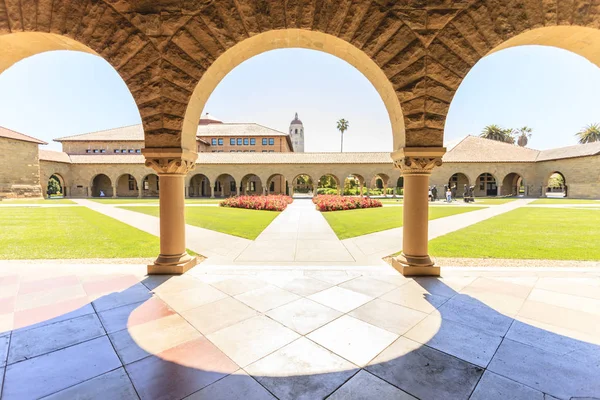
[[225, 186], [277, 184], [199, 186], [379, 185], [127, 186], [328, 184], [556, 185], [251, 185], [458, 180], [513, 185], [56, 187], [354, 185], [150, 186], [486, 185], [102, 186], [303, 186]]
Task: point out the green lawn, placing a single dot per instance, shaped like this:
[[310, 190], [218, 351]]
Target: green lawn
[[152, 201], [565, 201], [69, 232], [233, 221], [527, 233], [37, 201], [351, 223]]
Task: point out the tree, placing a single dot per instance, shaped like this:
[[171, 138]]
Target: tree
[[556, 181], [589, 134], [494, 132], [53, 186], [523, 134], [342, 126]]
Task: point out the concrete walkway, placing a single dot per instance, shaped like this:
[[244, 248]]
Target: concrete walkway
[[202, 241], [384, 243]]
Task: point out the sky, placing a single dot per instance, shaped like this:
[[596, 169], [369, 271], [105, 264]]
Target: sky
[[553, 91]]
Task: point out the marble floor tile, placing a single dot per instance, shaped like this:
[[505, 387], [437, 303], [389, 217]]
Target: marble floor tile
[[570, 301], [133, 294], [495, 387], [43, 284], [389, 316], [267, 298], [561, 316], [239, 285], [303, 315], [251, 339], [301, 370], [218, 315], [305, 286], [111, 385], [353, 339], [332, 277], [584, 287], [414, 296], [368, 286], [117, 319], [425, 373], [237, 386], [471, 312], [77, 364], [192, 298], [4, 342], [365, 386], [50, 296], [446, 287], [340, 299]]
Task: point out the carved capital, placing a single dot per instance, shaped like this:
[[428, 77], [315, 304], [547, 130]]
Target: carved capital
[[170, 161], [418, 160]]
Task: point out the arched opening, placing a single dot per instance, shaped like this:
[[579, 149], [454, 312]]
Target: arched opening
[[251, 185], [379, 185], [127, 186], [225, 186], [400, 186], [354, 185], [303, 186], [199, 186], [513, 185], [276, 184], [328, 184], [556, 185], [460, 182], [102, 186], [150, 186], [56, 187], [486, 185]]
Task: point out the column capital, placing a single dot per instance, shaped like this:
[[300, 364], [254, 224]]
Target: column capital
[[418, 160], [170, 161]]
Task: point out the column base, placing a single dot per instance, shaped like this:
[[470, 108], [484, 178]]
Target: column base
[[415, 265], [172, 265]]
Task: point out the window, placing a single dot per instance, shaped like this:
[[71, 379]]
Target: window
[[132, 183], [252, 151], [239, 142], [245, 151], [252, 142], [139, 151], [232, 151], [220, 142], [271, 151], [264, 141], [245, 141], [213, 151], [131, 151], [251, 186], [232, 142], [103, 151], [271, 141], [296, 130], [96, 151], [117, 151], [213, 142], [264, 151]]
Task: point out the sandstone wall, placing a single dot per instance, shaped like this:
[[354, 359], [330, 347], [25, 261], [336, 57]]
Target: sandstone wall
[[19, 169]]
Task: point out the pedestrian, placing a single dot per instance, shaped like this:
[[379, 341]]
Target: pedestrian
[[453, 191], [429, 195], [448, 195], [434, 193]]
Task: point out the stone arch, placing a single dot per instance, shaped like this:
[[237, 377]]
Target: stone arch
[[199, 186], [251, 184], [302, 183], [127, 186], [276, 184], [61, 182], [101, 186], [513, 184], [380, 181], [459, 179], [486, 184], [225, 61], [225, 185], [150, 185], [338, 183], [553, 190], [360, 181]]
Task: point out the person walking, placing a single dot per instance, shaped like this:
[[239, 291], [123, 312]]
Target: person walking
[[434, 193], [453, 191], [448, 195]]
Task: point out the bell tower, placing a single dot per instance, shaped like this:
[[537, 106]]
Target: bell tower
[[297, 135]]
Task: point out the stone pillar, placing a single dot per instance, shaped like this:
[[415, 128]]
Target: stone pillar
[[385, 190], [114, 194], [186, 191], [499, 190], [416, 164], [171, 165], [237, 190], [212, 191], [315, 187], [361, 189], [140, 191]]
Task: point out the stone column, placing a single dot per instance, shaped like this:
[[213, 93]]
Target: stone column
[[315, 187], [237, 190], [171, 165], [416, 164], [212, 191], [361, 189], [140, 189], [385, 190], [114, 194]]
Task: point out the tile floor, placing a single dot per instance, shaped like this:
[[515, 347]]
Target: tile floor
[[109, 332]]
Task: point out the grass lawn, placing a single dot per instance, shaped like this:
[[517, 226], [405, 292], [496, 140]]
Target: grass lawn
[[69, 232], [152, 201], [233, 221], [491, 200], [565, 201], [351, 223], [527, 233], [37, 201]]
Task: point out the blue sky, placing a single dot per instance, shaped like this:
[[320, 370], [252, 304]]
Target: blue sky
[[551, 90]]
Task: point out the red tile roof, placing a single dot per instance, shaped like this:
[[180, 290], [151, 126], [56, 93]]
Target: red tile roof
[[10, 134]]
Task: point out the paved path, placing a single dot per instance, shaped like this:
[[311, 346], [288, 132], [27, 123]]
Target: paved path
[[202, 241], [384, 243]]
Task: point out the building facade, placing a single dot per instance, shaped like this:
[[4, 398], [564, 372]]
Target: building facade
[[297, 134]]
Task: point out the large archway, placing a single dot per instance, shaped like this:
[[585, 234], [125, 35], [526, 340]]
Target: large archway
[[150, 186], [486, 185], [56, 186], [556, 185], [102, 186], [277, 184], [460, 181], [199, 186], [329, 184], [251, 185], [225, 186], [513, 184], [354, 185], [303, 185], [127, 186]]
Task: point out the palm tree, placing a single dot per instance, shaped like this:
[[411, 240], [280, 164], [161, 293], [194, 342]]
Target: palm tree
[[494, 132], [523, 134], [342, 126], [589, 134]]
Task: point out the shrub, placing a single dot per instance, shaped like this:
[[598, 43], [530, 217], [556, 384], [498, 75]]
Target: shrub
[[338, 203], [269, 203]]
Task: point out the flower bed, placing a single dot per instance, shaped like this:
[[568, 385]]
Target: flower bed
[[269, 203], [338, 203]]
